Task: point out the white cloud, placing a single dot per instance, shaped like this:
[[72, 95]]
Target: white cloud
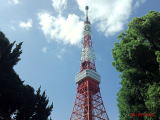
[[14, 2], [44, 49], [67, 30], [59, 57], [110, 16], [59, 5], [139, 2], [12, 28], [26, 24], [61, 53]]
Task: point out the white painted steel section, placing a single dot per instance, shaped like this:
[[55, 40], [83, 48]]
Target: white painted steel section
[[87, 54], [87, 29], [88, 73]]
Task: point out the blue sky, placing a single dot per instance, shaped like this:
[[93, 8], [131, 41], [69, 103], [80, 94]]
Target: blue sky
[[51, 32]]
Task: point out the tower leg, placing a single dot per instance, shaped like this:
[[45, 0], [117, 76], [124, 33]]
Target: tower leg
[[88, 104]]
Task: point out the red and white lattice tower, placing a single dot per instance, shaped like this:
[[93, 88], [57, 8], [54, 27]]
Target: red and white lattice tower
[[88, 104]]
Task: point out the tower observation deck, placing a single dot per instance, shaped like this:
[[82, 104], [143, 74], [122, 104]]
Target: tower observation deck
[[88, 103]]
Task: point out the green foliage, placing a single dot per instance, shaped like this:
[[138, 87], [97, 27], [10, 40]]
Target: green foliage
[[17, 100], [153, 97], [137, 57]]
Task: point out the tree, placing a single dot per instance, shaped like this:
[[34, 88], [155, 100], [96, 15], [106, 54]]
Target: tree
[[9, 80], [17, 100], [137, 57]]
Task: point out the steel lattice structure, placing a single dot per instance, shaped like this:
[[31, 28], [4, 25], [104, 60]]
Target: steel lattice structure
[[88, 104]]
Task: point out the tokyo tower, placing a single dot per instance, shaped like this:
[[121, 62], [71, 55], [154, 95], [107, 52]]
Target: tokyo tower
[[88, 103]]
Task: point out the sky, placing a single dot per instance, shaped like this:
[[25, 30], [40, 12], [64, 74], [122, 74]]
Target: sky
[[51, 31]]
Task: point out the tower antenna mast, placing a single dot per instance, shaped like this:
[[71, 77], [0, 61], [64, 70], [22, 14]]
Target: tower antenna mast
[[86, 12]]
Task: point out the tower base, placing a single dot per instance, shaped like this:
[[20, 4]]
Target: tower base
[[88, 104]]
